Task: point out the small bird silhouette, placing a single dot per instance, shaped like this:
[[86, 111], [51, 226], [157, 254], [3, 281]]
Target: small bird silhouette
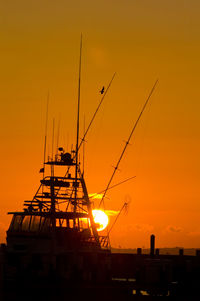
[[102, 90]]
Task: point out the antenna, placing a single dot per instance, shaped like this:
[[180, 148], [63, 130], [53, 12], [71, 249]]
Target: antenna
[[53, 128], [45, 137], [77, 131], [52, 166], [58, 134], [127, 143], [79, 94], [83, 147]]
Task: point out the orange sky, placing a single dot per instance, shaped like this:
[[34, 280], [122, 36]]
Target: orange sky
[[141, 41]]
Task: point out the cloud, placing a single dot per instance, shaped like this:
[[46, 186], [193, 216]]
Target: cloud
[[142, 227], [111, 212], [96, 196], [175, 229], [194, 233]]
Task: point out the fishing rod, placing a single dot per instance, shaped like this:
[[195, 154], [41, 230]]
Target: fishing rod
[[127, 143]]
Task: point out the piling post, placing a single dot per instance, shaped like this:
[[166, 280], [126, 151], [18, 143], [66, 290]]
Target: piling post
[[152, 245]]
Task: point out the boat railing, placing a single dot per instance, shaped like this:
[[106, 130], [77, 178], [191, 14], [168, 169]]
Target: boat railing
[[103, 240]]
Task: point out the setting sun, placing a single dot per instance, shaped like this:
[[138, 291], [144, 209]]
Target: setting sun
[[101, 219]]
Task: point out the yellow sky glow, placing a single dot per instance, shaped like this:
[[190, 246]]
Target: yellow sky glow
[[140, 41]]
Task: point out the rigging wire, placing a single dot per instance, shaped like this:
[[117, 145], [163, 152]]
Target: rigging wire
[[113, 186]]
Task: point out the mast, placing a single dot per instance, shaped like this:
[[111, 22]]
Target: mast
[[77, 131], [52, 191]]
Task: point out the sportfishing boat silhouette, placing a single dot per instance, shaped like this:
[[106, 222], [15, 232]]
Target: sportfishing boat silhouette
[[53, 244]]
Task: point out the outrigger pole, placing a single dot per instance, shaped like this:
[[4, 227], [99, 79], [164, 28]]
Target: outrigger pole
[[127, 143], [83, 139], [94, 115], [124, 206]]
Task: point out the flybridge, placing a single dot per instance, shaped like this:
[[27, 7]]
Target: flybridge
[[62, 158], [60, 209]]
